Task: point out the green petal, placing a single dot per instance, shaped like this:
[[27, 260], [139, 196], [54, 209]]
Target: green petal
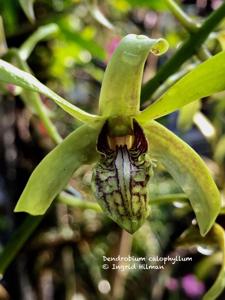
[[11, 74], [55, 170], [205, 80], [188, 170]]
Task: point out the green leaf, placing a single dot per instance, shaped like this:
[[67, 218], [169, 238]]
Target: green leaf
[[216, 236], [55, 170], [43, 32], [206, 79], [28, 8], [11, 74], [188, 170]]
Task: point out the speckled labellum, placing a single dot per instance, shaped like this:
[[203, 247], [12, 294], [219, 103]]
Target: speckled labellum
[[121, 177]]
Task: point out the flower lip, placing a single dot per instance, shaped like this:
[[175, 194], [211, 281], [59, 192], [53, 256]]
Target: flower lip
[[121, 177]]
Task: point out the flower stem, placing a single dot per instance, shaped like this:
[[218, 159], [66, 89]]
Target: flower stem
[[189, 48], [77, 202], [190, 25], [182, 17], [168, 199], [83, 204], [119, 278]]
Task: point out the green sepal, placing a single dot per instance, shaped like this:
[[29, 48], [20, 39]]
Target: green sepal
[[121, 87], [55, 170], [188, 170]]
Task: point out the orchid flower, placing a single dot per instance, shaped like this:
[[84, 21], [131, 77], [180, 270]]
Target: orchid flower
[[124, 142]]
